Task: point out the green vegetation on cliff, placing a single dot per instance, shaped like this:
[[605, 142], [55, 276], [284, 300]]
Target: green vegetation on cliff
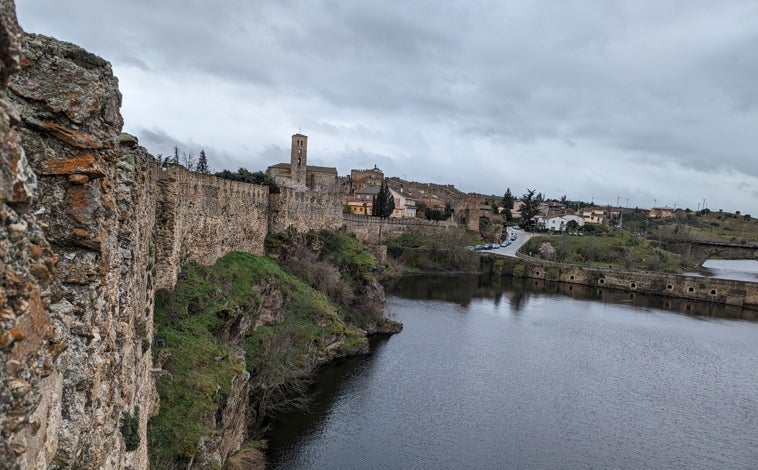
[[341, 268], [443, 252], [243, 313]]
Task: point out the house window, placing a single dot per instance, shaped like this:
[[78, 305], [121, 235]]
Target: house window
[[298, 161]]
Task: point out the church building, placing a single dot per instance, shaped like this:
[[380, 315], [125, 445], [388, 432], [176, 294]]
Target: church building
[[299, 175]]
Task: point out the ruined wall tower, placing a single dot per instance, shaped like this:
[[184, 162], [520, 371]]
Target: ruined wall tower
[[299, 158]]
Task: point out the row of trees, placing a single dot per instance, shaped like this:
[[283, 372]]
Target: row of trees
[[200, 165], [246, 176]]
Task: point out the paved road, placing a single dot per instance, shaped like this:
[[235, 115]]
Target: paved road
[[511, 249]]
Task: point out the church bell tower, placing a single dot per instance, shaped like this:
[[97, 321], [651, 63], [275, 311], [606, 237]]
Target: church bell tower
[[299, 158]]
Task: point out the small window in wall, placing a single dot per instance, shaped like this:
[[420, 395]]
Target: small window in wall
[[713, 291], [691, 289], [669, 286], [602, 281], [633, 285], [298, 161], [537, 273], [571, 277]]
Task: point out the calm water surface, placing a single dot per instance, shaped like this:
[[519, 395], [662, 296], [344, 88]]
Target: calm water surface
[[528, 374], [737, 269]]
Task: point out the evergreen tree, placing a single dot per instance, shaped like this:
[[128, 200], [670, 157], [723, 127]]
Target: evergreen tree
[[202, 163], [530, 208], [508, 199], [383, 203]]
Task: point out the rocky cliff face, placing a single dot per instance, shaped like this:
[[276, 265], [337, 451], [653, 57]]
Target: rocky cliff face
[[67, 102], [29, 343]]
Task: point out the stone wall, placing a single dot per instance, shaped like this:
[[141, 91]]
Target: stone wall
[[68, 102], [29, 343], [375, 230], [202, 217], [722, 291], [304, 211]]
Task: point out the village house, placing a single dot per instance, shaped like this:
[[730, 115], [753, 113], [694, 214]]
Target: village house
[[405, 204], [661, 212], [595, 215], [516, 211], [362, 202], [559, 223]]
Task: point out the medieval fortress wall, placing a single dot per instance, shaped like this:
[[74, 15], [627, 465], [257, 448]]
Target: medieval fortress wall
[[92, 227], [202, 217]]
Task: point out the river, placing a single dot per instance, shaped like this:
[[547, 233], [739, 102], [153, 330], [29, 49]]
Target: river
[[514, 373], [737, 269]]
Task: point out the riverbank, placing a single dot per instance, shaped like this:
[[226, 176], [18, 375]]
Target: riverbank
[[721, 291]]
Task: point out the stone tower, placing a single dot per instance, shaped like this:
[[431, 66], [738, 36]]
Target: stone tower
[[299, 158]]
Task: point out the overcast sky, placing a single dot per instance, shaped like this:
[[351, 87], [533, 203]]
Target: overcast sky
[[654, 102]]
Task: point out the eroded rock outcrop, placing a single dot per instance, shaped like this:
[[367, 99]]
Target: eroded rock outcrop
[[87, 200], [29, 343]]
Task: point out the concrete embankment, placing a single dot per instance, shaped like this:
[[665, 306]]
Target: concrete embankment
[[722, 291]]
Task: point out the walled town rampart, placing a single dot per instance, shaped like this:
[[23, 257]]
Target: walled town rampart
[[303, 210], [202, 217], [722, 291], [374, 230]]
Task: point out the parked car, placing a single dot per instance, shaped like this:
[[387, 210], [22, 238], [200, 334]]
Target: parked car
[[514, 237], [505, 243]]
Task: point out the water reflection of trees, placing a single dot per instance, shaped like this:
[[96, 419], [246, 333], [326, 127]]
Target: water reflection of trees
[[518, 291]]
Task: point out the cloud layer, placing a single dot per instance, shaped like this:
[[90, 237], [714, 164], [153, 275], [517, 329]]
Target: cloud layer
[[651, 101]]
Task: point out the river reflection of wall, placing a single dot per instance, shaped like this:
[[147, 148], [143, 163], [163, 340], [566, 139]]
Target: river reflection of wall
[[518, 291]]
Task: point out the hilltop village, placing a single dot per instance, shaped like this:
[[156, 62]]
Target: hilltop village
[[414, 200], [360, 189]]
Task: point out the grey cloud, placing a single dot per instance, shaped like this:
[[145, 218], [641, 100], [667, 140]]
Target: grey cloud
[[642, 82]]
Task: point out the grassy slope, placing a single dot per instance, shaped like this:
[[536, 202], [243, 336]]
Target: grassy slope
[[720, 226], [199, 366], [621, 250]]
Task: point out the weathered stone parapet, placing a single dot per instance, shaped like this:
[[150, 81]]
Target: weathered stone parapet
[[29, 342], [68, 103]]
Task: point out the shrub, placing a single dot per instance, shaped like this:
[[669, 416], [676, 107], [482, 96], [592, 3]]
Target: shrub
[[130, 429]]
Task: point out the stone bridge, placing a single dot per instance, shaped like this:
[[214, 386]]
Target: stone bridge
[[697, 251]]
